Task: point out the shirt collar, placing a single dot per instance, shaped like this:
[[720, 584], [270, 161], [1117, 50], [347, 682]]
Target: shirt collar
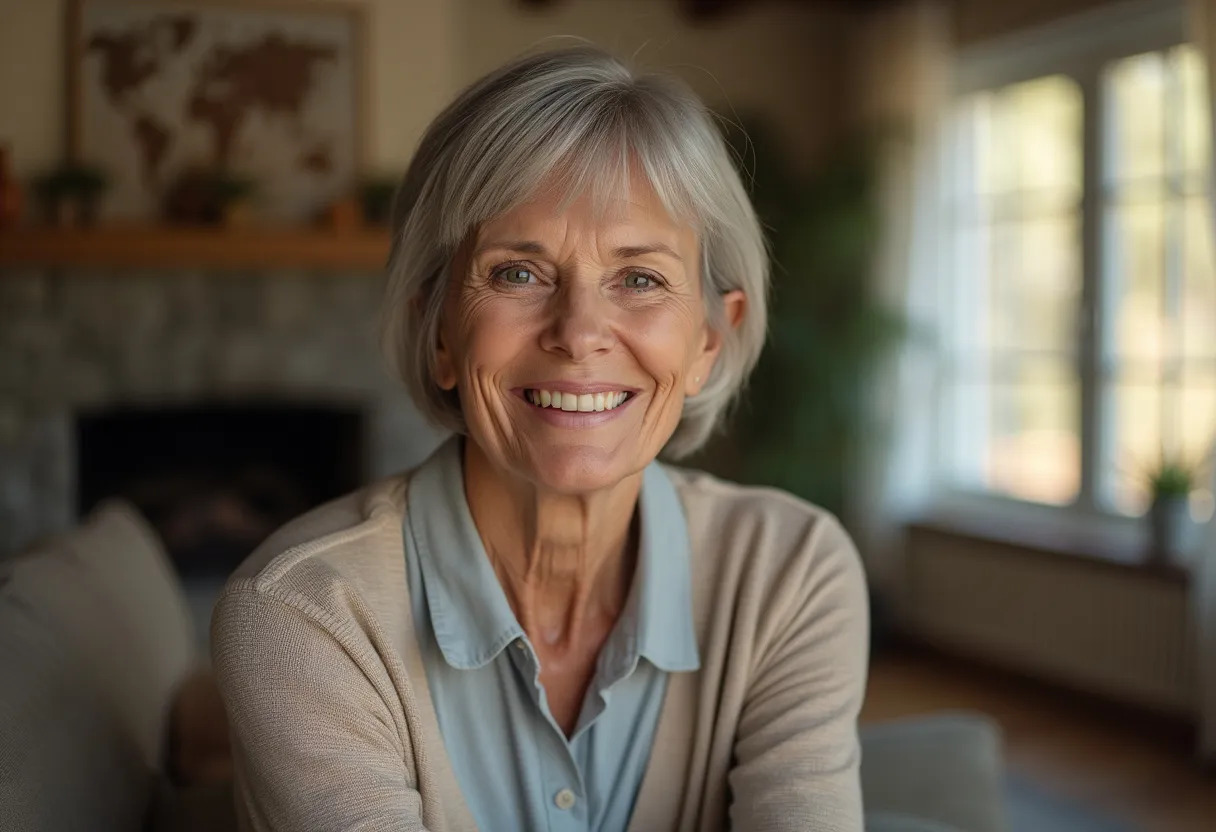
[[470, 614]]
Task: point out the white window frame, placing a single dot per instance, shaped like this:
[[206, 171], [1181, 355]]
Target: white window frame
[[1079, 47]]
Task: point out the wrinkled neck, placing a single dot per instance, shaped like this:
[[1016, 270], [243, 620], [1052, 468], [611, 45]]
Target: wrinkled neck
[[565, 561]]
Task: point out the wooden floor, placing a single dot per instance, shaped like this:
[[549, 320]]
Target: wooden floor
[[1130, 769]]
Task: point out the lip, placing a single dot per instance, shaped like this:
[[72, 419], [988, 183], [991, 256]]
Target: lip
[[575, 388]]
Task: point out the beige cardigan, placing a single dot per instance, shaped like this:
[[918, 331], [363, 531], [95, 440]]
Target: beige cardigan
[[334, 729]]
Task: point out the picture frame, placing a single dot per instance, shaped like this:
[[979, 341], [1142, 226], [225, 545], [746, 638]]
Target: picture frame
[[268, 93]]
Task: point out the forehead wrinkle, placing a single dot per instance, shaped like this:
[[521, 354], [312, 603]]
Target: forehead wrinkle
[[633, 228]]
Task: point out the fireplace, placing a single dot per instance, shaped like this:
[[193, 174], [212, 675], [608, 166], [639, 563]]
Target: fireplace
[[215, 480]]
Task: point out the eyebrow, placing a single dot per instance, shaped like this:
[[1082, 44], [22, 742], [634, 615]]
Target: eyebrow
[[622, 252], [628, 252]]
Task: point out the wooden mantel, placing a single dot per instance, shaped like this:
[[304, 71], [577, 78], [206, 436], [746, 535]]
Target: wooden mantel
[[109, 247]]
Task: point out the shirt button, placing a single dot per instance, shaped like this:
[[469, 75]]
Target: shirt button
[[564, 799], [519, 644]]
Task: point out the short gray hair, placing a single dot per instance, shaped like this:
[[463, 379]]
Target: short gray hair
[[583, 115]]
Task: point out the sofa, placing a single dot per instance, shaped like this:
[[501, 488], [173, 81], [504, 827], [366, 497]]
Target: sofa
[[109, 719]]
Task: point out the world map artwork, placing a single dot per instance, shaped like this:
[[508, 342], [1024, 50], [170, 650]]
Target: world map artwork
[[265, 94]]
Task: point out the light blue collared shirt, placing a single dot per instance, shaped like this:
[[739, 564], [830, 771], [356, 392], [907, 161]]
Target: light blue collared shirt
[[514, 764]]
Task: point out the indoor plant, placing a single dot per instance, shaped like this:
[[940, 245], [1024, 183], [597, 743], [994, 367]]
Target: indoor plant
[[807, 407], [70, 193], [1170, 526], [376, 196], [209, 196], [233, 195]]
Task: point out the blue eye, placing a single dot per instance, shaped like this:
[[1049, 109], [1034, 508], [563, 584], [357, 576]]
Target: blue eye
[[519, 275], [639, 280]]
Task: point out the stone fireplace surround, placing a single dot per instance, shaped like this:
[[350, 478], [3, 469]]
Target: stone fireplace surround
[[78, 338]]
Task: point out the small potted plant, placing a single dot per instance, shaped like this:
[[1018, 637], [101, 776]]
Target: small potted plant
[[1170, 524], [209, 196], [70, 193], [233, 195], [376, 196]]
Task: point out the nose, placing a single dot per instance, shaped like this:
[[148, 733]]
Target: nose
[[579, 327]]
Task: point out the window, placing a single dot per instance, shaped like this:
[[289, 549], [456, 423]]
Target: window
[[1082, 304], [1158, 381]]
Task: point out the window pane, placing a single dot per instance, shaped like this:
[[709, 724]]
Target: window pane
[[1197, 415], [1049, 135], [1136, 88], [1135, 411], [1199, 282], [1033, 445], [1048, 282], [1136, 278], [1018, 286], [1027, 139], [1013, 414], [1196, 132]]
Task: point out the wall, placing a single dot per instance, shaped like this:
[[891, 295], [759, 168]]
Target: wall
[[778, 59]]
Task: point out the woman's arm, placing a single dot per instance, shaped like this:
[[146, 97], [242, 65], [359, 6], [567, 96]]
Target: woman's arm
[[314, 743], [796, 750]]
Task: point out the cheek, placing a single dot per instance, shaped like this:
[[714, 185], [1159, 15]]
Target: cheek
[[665, 340], [487, 326]]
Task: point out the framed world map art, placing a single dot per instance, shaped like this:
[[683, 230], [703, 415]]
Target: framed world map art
[[259, 90]]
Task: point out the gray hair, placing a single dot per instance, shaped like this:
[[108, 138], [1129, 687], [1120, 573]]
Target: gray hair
[[581, 115]]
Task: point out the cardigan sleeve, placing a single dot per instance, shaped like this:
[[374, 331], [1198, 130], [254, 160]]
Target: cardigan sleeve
[[796, 764], [314, 742]]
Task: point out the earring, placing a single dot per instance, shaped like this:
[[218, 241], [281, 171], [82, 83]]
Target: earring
[[696, 380]]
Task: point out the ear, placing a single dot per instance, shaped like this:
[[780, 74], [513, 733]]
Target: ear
[[444, 373], [734, 305], [445, 365]]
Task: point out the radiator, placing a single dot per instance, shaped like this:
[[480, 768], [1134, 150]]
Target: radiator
[[1120, 633]]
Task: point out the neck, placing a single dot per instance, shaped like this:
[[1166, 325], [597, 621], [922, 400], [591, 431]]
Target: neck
[[565, 562]]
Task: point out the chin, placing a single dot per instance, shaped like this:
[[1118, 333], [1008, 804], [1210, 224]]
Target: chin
[[579, 469]]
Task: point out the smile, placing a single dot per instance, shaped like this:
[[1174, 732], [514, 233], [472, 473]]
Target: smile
[[571, 402]]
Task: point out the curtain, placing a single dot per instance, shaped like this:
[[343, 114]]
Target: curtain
[[1203, 578], [902, 75]]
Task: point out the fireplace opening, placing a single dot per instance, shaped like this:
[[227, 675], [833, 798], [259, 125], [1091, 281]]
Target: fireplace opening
[[216, 480]]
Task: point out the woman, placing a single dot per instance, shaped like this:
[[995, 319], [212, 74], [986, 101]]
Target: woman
[[541, 627]]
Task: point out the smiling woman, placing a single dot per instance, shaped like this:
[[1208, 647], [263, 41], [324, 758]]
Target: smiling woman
[[578, 299], [542, 626]]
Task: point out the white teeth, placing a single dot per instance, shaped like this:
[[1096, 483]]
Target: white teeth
[[582, 403]]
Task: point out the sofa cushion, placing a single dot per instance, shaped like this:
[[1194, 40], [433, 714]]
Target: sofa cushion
[[144, 644], [67, 762], [98, 620], [944, 768]]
